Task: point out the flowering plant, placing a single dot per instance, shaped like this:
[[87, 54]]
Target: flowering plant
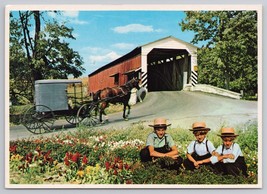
[[108, 157]]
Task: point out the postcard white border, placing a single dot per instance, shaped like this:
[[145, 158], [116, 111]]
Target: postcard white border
[[165, 7]]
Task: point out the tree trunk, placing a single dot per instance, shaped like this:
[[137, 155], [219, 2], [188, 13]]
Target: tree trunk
[[37, 32]]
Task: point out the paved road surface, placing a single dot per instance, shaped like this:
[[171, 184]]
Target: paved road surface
[[180, 107]]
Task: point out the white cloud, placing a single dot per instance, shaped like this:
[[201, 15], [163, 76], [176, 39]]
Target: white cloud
[[93, 50], [77, 21], [134, 28], [95, 57], [108, 57], [159, 30], [73, 17], [52, 14], [124, 45], [76, 35], [70, 16]]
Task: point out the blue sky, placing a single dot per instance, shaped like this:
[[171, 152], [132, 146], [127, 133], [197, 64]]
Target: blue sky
[[103, 36]]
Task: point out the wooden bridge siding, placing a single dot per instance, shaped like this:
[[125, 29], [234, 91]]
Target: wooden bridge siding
[[103, 79]]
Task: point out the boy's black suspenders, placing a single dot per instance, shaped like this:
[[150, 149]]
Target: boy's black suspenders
[[166, 144], [223, 148], [206, 146]]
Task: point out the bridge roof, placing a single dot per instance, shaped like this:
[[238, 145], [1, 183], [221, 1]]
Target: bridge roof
[[138, 51]]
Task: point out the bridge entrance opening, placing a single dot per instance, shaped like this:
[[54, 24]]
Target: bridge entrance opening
[[168, 69]]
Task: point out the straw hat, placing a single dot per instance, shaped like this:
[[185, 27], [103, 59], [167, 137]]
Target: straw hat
[[199, 126], [160, 122], [227, 132]]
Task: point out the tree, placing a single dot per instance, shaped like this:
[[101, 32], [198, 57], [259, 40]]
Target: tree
[[39, 51], [228, 58]]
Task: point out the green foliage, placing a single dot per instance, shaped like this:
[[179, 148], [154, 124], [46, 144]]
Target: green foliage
[[43, 54], [205, 175], [128, 153], [229, 57], [150, 173], [249, 136]]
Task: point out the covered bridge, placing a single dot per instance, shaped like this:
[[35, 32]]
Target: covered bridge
[[166, 64]]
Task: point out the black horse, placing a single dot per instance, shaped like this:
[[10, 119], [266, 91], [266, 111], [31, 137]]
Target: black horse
[[119, 94]]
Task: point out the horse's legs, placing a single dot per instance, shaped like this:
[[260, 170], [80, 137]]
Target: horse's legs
[[129, 108], [100, 115], [124, 110], [106, 117], [102, 111]]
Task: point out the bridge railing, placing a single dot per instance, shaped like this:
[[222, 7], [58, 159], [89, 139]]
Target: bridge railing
[[214, 90]]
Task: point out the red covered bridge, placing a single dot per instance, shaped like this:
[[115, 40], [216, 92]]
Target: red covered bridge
[[166, 64]]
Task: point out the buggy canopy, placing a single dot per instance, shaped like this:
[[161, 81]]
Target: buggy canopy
[[53, 93], [61, 81]]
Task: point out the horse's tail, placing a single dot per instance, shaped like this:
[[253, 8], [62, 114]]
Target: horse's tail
[[96, 96]]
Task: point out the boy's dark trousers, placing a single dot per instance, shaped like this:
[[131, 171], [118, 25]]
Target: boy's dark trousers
[[145, 156], [190, 165], [232, 168]]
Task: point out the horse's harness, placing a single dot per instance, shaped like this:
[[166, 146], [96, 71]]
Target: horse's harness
[[123, 91], [127, 88]]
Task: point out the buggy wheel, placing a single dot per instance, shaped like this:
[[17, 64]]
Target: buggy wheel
[[87, 115], [71, 119], [38, 119]]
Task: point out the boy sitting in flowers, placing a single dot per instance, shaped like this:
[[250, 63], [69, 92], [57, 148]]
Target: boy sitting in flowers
[[160, 144], [228, 157]]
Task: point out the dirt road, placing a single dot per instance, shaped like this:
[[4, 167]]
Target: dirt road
[[180, 107]]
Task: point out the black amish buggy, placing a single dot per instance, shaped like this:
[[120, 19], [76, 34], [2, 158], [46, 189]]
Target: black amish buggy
[[52, 100]]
